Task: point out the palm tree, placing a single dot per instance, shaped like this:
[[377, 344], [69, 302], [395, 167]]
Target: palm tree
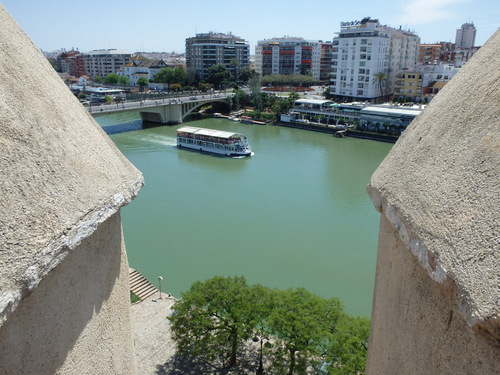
[[380, 78]]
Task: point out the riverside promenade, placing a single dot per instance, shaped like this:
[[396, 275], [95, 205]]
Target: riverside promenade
[[155, 349]]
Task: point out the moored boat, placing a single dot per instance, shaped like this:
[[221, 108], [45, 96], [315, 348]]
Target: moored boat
[[214, 141]]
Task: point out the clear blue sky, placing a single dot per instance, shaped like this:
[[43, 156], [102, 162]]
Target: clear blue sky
[[163, 25]]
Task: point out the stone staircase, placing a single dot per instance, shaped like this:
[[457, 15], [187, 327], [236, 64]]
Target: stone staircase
[[140, 286]]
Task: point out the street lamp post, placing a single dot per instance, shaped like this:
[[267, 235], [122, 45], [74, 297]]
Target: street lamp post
[[260, 370], [159, 281]]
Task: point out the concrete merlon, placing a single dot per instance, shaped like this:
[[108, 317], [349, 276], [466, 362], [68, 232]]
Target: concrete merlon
[[63, 175], [438, 187], [57, 250]]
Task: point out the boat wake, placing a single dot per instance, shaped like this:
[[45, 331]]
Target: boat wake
[[162, 140]]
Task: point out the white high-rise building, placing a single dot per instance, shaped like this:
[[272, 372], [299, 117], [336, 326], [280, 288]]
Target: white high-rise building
[[368, 58], [466, 36]]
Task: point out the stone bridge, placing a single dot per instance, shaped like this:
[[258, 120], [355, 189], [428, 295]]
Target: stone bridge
[[161, 111]]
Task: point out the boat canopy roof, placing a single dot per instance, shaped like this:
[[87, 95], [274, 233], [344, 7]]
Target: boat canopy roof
[[209, 132], [313, 101]]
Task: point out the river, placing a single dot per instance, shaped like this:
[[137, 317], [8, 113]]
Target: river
[[296, 213]]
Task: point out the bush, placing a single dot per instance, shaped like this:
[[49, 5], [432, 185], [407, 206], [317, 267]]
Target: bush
[[134, 298]]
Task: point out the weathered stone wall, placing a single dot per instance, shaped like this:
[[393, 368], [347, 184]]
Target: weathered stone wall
[[416, 327], [64, 294], [77, 320], [437, 289], [61, 174]]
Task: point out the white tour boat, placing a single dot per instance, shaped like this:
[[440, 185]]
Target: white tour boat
[[215, 141]]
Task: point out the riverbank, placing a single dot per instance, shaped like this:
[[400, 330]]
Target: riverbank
[[335, 131]]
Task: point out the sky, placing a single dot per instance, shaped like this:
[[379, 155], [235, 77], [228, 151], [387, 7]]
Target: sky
[[164, 25]]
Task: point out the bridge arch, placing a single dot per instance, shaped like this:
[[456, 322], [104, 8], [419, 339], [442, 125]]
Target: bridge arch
[[188, 107], [175, 113]]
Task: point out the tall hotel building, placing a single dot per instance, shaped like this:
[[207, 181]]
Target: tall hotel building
[[208, 49], [366, 48], [288, 56], [466, 36]]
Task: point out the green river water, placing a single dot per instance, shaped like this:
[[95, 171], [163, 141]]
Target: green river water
[[296, 213]]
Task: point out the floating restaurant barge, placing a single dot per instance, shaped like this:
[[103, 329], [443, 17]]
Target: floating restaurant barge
[[214, 141]]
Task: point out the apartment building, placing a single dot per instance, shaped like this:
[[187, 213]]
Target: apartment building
[[367, 48], [288, 55], [76, 65], [408, 86], [62, 60], [208, 49], [423, 81], [100, 63], [428, 53], [445, 52], [325, 69]]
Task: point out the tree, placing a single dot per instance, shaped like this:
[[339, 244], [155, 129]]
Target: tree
[[204, 87], [98, 79], [175, 87], [300, 330], [170, 76], [240, 98], [303, 324], [142, 82], [287, 80], [217, 74], [245, 74], [305, 69], [255, 89], [54, 65], [349, 344], [192, 77], [294, 95], [213, 319], [235, 65], [123, 80], [111, 79], [380, 78]]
